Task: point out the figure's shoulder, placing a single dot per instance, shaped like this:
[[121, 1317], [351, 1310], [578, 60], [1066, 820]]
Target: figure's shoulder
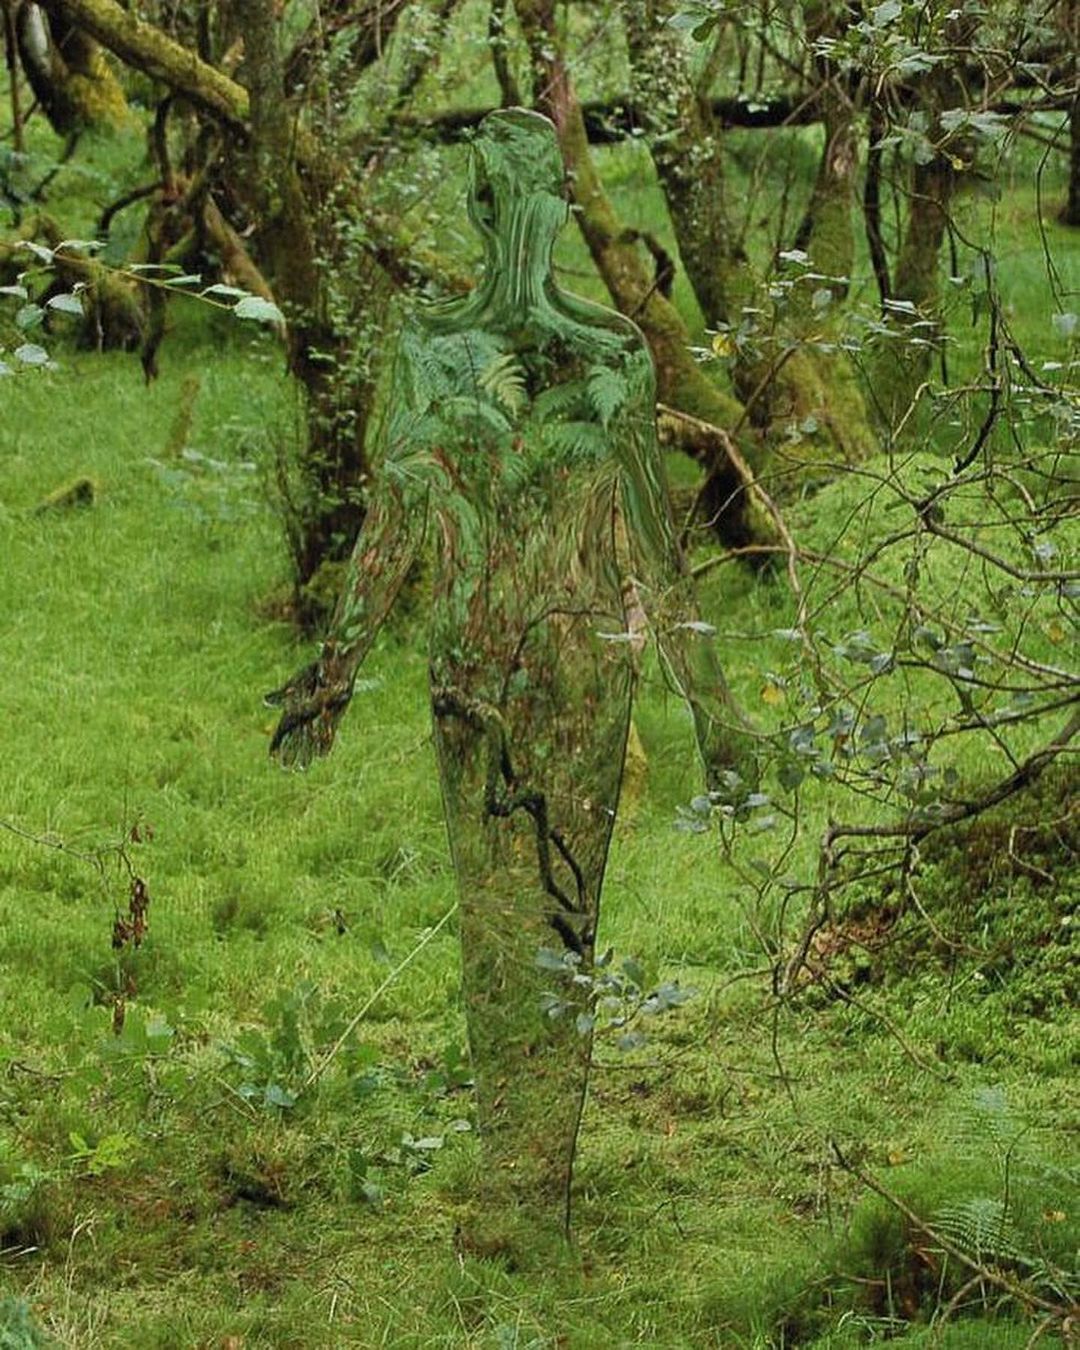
[[606, 329]]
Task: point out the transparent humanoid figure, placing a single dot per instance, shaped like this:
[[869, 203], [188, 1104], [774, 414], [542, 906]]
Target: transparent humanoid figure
[[522, 434]]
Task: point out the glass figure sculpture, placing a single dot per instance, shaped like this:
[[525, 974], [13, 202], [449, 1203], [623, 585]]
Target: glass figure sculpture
[[521, 434]]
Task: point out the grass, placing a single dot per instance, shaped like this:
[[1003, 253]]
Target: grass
[[137, 651], [157, 1189]]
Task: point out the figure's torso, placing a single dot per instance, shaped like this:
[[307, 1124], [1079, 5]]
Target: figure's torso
[[516, 426]]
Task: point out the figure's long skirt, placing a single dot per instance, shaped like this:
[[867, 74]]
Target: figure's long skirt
[[532, 710]]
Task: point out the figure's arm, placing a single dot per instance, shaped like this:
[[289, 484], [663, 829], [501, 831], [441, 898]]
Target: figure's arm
[[314, 700], [666, 590]]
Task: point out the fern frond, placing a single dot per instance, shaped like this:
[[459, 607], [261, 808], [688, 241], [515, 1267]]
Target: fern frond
[[981, 1228], [471, 412], [575, 442], [503, 379], [986, 1123], [561, 399], [607, 391]]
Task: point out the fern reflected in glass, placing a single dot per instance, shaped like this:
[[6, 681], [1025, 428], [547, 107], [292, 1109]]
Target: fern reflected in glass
[[521, 435]]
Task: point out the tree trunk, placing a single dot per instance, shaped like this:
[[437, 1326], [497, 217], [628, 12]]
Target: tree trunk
[[808, 400], [338, 395], [902, 361], [685, 143], [829, 230], [681, 381], [11, 56], [1070, 214], [67, 70]]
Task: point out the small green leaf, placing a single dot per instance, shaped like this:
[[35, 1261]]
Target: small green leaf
[[275, 1095], [255, 307], [547, 959], [429, 1144], [29, 316], [30, 354], [80, 245], [884, 14], [167, 268], [66, 304], [233, 292]]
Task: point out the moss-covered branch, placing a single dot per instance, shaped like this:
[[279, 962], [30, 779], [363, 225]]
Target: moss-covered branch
[[148, 49]]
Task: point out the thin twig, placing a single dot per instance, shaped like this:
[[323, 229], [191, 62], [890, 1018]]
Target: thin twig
[[49, 841], [988, 1273], [327, 1059], [914, 828]]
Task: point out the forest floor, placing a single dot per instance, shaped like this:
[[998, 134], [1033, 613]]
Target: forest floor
[[166, 1180]]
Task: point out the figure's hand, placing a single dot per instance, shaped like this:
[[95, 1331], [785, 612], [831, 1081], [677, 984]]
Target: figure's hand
[[313, 702]]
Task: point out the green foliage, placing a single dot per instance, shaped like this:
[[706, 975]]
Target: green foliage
[[23, 1214], [504, 379], [18, 1330], [884, 1276], [272, 1065], [111, 1152], [611, 999]]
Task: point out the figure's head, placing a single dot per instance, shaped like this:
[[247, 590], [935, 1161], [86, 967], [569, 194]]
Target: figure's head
[[515, 156]]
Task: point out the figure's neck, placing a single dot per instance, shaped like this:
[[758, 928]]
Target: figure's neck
[[518, 271]]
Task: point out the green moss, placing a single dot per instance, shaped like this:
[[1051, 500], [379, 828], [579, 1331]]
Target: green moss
[[98, 95]]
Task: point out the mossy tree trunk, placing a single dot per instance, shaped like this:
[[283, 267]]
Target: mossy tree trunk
[[809, 399], [681, 381], [901, 362], [828, 231], [1070, 214], [13, 65], [800, 399], [686, 146], [67, 69], [296, 250]]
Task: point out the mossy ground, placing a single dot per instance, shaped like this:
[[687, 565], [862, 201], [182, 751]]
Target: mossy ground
[[158, 1189], [137, 649]]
